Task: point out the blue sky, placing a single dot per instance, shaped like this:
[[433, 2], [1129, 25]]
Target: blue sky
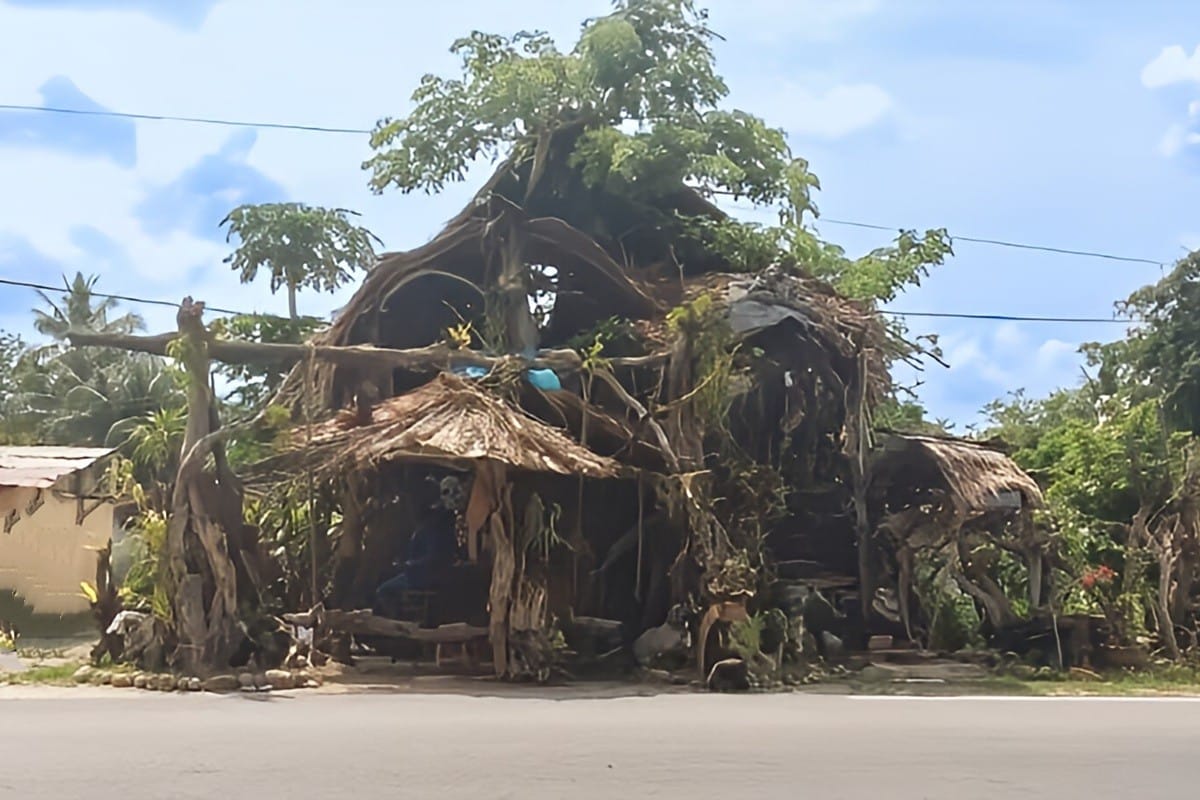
[[1070, 124]]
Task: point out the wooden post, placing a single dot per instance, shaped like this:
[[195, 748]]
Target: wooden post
[[500, 596], [197, 547], [857, 446]]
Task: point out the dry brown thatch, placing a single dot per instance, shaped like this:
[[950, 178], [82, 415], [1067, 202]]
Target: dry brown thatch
[[451, 420], [974, 474], [846, 329]]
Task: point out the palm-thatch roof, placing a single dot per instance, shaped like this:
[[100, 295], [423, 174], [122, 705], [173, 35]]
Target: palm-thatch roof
[[977, 477], [453, 421]]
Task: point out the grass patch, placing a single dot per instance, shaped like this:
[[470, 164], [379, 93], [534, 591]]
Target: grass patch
[[1161, 679], [55, 675], [1165, 679]]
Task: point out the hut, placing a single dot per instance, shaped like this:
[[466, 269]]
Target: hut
[[962, 504], [658, 421], [505, 462], [734, 399]]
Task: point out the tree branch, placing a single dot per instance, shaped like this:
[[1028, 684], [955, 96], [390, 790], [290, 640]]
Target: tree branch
[[643, 415], [433, 357]]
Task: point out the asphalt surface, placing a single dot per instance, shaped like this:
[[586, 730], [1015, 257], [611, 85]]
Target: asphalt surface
[[131, 745]]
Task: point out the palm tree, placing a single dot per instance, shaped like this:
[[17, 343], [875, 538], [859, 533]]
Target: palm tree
[[72, 396], [77, 310]]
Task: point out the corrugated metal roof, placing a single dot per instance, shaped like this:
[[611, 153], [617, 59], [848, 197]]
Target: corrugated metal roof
[[42, 467]]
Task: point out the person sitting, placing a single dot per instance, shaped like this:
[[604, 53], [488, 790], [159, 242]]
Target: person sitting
[[430, 551]]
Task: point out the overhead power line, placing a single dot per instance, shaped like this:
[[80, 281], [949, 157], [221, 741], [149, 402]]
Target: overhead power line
[[1012, 318], [1002, 243], [169, 118], [931, 314], [42, 287], [366, 131]]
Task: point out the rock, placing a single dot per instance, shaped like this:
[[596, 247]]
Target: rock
[[879, 643], [140, 680], [1047, 674], [874, 674], [834, 646], [1023, 672], [122, 680], [260, 681], [730, 675], [222, 683], [301, 661], [279, 679], [245, 680], [194, 684], [83, 674], [106, 678], [181, 684]]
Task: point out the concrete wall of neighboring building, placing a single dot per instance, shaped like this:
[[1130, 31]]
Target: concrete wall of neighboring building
[[44, 554]]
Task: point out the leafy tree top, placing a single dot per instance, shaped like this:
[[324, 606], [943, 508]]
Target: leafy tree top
[[1164, 351], [638, 102], [300, 245], [640, 85]]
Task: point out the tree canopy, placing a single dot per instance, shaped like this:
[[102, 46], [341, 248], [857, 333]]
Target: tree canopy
[[1165, 349], [301, 246], [1116, 452], [640, 100], [57, 394]]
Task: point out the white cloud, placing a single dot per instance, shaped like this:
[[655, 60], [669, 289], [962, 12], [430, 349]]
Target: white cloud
[[1008, 358], [771, 20], [1172, 141], [225, 69], [1173, 65], [1010, 338], [1055, 360], [1177, 139], [831, 114]]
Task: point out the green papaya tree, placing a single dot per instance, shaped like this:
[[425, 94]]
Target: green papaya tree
[[300, 246]]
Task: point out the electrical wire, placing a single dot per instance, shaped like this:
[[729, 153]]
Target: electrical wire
[[169, 118], [1002, 243], [340, 130], [931, 314], [42, 287]]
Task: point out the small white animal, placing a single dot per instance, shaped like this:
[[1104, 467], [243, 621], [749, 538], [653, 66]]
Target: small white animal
[[670, 637]]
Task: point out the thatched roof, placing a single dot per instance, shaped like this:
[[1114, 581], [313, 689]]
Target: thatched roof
[[613, 257], [976, 475], [847, 330], [451, 420]]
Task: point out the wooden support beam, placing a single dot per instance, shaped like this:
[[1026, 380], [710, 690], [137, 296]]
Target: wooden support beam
[[366, 623], [432, 358]]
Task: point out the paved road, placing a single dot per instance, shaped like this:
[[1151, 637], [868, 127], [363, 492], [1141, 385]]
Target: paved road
[[131, 746]]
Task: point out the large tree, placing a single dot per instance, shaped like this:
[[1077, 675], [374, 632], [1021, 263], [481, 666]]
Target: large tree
[[641, 103], [1117, 456], [1164, 349]]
